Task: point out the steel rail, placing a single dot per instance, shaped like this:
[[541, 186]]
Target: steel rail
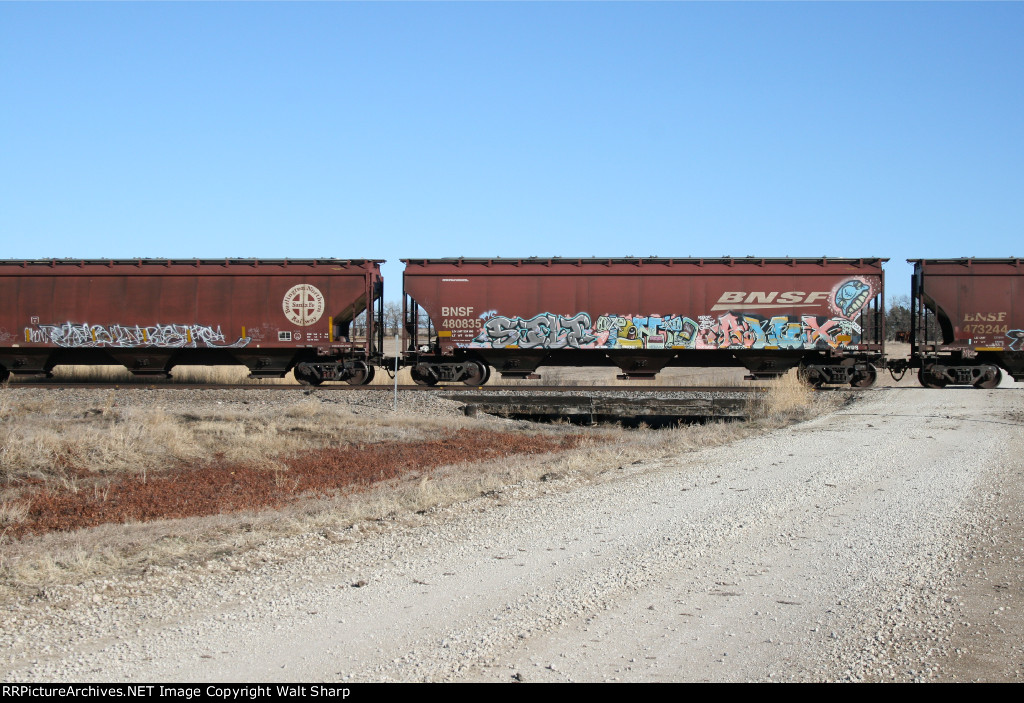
[[343, 387]]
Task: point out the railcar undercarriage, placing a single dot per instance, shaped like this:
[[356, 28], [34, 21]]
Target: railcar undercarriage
[[474, 368]]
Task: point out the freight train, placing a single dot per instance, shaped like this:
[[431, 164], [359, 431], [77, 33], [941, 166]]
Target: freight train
[[464, 318]]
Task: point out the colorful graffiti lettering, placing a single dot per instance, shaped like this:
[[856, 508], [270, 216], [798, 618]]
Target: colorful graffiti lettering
[[752, 331], [733, 330], [650, 332], [738, 328], [84, 335], [1016, 338]]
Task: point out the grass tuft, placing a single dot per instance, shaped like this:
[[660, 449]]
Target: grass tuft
[[787, 398]]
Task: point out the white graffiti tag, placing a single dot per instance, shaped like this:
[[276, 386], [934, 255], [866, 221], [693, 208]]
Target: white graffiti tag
[[85, 335], [547, 331]]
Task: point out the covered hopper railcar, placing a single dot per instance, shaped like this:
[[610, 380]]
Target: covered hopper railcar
[[643, 315], [151, 315], [967, 321]]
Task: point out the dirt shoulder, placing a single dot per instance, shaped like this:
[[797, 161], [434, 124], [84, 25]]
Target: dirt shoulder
[[986, 640]]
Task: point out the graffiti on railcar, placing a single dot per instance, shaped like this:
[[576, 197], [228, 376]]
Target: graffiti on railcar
[[733, 330], [545, 331], [744, 330], [1016, 338], [647, 331], [84, 335], [741, 327], [850, 297]]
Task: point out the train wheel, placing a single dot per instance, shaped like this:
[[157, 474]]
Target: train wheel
[[305, 375], [809, 376], [991, 383], [865, 379], [361, 374], [477, 373], [422, 379], [929, 381], [371, 373]]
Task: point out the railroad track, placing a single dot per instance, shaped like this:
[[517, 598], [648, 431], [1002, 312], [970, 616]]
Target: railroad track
[[344, 387]]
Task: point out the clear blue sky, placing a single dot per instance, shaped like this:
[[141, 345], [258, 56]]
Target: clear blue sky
[[398, 130]]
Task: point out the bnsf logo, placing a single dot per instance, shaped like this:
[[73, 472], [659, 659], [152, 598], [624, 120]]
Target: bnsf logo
[[456, 312], [772, 299]]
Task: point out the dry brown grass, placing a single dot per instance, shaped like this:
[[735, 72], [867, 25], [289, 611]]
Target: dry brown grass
[[46, 445], [786, 399], [43, 442]]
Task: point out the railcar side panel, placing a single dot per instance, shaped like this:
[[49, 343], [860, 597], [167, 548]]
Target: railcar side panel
[[645, 314], [967, 314], [152, 315]]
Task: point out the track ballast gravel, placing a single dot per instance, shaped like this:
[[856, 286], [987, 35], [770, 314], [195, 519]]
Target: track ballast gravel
[[832, 550]]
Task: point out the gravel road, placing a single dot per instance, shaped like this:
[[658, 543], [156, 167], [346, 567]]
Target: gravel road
[[881, 542]]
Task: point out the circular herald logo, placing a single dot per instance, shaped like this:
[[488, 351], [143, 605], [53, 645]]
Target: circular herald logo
[[303, 304]]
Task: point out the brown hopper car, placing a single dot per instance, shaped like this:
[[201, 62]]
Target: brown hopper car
[[967, 321], [151, 315], [643, 315], [321, 318]]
